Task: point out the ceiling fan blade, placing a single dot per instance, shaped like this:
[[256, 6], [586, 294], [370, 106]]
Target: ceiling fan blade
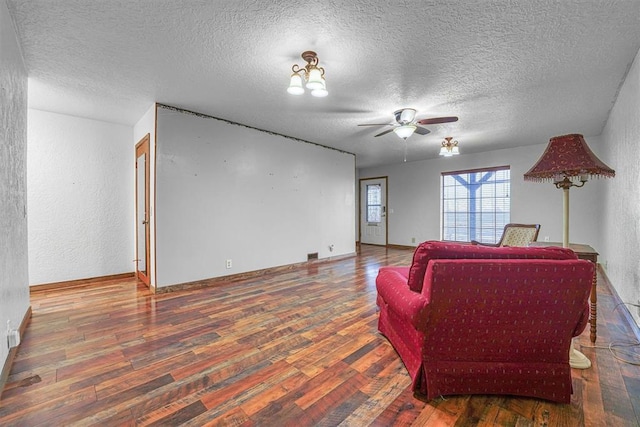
[[375, 124], [436, 120], [385, 132], [421, 131]]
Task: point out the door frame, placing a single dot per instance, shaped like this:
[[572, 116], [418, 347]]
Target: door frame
[[143, 148], [386, 202]]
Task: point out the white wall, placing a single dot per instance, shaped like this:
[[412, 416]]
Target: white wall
[[414, 196], [230, 192], [14, 281], [80, 193], [621, 201]]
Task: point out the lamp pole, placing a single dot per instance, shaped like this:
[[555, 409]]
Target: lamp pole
[[565, 213], [566, 184]]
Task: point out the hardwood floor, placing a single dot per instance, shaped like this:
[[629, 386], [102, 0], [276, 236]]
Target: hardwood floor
[[295, 348]]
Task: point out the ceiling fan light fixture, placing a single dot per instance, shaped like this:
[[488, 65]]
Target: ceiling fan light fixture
[[310, 76], [295, 85], [406, 125], [405, 131]]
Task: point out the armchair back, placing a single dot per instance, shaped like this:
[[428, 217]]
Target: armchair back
[[433, 249]]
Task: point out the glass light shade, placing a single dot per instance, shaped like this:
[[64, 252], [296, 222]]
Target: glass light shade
[[405, 131], [407, 115], [455, 151], [322, 92], [314, 80], [444, 151], [295, 85]]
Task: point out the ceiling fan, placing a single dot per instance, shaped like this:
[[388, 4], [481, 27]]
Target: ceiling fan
[[405, 125]]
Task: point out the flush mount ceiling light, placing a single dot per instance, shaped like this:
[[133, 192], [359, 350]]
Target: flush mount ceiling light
[[449, 148], [311, 75]]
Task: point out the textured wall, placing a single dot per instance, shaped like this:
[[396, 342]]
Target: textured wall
[[14, 282], [80, 198], [229, 192], [414, 196], [621, 204]]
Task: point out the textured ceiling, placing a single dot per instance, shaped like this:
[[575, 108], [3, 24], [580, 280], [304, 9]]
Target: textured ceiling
[[515, 72]]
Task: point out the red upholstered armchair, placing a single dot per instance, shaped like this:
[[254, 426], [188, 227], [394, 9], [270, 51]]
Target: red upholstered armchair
[[481, 320]]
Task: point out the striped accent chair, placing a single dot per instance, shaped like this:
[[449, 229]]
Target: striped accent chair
[[515, 235]]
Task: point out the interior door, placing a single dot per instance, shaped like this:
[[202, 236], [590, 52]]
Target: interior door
[[373, 211], [143, 230]]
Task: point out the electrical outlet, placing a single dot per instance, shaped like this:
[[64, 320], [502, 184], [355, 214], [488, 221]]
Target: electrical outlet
[[413, 240], [546, 238], [8, 334], [13, 339], [229, 263], [13, 336]]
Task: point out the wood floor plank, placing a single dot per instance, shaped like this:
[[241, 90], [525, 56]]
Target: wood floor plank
[[402, 411], [46, 411], [332, 397], [181, 415], [366, 413], [274, 391], [236, 386], [235, 417], [339, 373], [592, 404], [295, 347]]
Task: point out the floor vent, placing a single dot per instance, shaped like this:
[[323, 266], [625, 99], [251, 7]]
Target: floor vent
[[312, 256]]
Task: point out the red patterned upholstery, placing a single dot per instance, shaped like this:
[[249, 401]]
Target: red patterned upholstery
[[487, 325], [443, 250]]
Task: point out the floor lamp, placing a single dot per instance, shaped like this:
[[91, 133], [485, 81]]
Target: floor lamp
[[568, 162]]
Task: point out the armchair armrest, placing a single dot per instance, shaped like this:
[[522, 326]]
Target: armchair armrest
[[407, 304]]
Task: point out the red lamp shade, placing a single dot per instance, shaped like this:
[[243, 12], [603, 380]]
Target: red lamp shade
[[568, 156]]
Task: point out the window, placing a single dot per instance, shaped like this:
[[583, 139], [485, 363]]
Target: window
[[475, 204], [374, 203]]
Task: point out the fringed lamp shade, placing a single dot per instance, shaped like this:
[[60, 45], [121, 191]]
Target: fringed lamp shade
[[568, 162], [568, 156]]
